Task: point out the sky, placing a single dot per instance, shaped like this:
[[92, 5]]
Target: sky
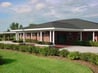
[[26, 12]]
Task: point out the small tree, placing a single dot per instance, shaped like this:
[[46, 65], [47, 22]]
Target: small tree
[[14, 26]]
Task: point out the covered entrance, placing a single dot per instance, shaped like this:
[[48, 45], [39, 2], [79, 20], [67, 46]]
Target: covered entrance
[[60, 38]]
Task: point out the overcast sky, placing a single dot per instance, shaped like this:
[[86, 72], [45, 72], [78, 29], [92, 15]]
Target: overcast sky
[[40, 11]]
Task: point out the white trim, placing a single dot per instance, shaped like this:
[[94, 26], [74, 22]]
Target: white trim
[[35, 29], [53, 28], [90, 29], [7, 32]]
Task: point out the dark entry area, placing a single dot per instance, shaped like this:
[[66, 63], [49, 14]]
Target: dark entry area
[[66, 38], [60, 38]]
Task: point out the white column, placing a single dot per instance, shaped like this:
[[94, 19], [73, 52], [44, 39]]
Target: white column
[[50, 36], [93, 36], [80, 36], [17, 36], [31, 35], [53, 41], [23, 36], [40, 35], [37, 36]]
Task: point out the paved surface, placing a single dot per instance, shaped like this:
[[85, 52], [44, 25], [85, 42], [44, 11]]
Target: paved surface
[[8, 42], [82, 49]]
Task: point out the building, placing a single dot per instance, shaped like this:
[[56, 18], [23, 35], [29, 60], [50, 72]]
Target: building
[[60, 32]]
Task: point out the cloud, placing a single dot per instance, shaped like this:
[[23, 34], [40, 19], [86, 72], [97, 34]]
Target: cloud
[[40, 6], [51, 13], [79, 9], [54, 1], [92, 15], [33, 1], [5, 4], [93, 4], [22, 9]]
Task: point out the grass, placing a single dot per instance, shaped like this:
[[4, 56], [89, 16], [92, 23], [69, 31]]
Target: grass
[[17, 62]]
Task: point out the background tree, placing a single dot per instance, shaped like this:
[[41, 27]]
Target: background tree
[[15, 26]]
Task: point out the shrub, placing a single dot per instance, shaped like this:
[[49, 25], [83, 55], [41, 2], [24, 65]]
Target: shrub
[[49, 51], [96, 60], [93, 43], [85, 56], [35, 50], [74, 55], [29, 49], [63, 53], [44, 51], [1, 46], [8, 46], [23, 48], [89, 57], [53, 52]]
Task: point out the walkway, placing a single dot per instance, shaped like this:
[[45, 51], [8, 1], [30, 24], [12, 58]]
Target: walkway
[[82, 49]]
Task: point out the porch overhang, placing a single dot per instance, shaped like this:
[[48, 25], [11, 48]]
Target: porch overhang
[[7, 32], [53, 28]]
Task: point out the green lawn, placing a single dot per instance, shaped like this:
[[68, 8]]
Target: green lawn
[[17, 62]]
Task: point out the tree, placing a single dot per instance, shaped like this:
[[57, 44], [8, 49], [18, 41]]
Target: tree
[[21, 26], [8, 30], [15, 26]]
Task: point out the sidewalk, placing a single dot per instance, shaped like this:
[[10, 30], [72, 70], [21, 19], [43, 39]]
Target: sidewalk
[[82, 49]]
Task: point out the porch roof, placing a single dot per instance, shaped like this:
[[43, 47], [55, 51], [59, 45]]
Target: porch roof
[[7, 32]]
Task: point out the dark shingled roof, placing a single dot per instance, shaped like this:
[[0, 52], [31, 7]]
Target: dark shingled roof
[[69, 23]]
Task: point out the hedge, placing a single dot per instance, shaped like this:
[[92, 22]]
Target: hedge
[[74, 55], [86, 43], [63, 53]]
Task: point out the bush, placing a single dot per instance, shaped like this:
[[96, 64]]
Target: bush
[[44, 51], [8, 46], [89, 57], [1, 46], [23, 48], [85, 56], [74, 55], [96, 60], [53, 52], [35, 50], [63, 53], [93, 43], [49, 51]]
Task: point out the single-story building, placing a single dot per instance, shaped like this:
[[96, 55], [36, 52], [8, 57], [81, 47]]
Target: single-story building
[[60, 32]]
